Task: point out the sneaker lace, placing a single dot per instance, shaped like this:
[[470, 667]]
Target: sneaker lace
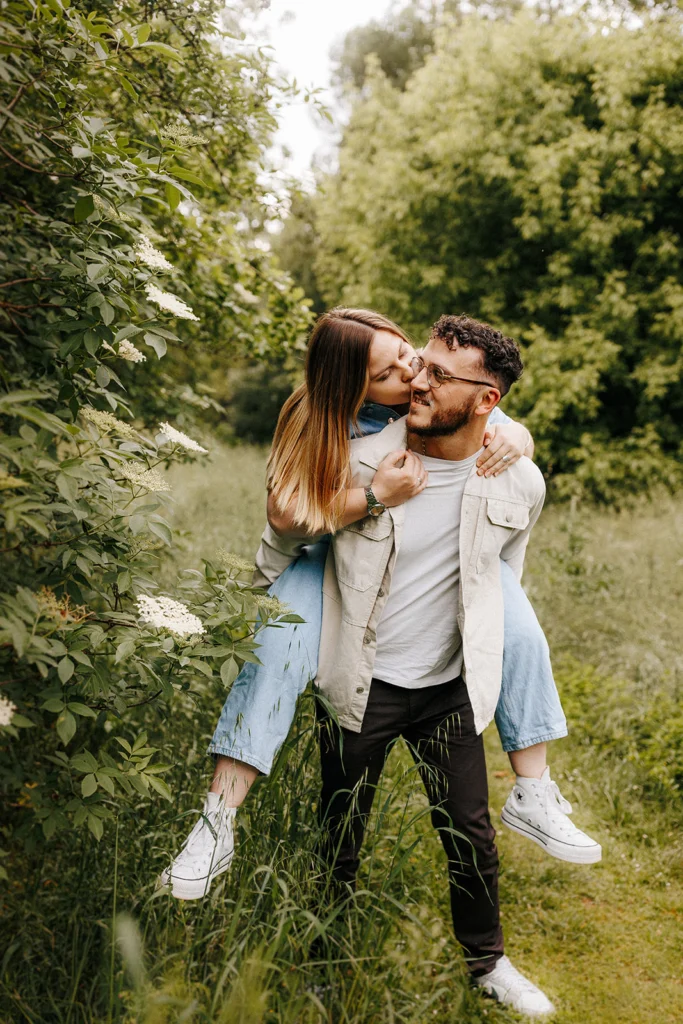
[[560, 802]]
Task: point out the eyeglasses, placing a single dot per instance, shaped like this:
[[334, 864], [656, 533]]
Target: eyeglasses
[[436, 376]]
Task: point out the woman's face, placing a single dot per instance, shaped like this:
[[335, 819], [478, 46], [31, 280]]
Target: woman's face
[[390, 370]]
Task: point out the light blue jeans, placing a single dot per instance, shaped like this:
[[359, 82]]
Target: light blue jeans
[[260, 707]]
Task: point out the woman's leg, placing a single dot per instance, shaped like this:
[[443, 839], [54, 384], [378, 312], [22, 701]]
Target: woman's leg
[[254, 722], [232, 780], [531, 762], [528, 716]]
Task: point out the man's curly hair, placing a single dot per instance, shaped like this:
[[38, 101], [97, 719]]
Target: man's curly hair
[[500, 356]]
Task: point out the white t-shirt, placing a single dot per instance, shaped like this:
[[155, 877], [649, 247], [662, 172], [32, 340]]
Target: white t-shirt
[[418, 640]]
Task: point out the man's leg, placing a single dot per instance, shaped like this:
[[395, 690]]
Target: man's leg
[[351, 764], [451, 759]]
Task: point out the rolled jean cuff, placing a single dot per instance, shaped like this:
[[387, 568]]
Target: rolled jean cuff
[[239, 754], [521, 743]]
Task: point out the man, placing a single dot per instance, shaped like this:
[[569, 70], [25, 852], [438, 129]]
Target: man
[[412, 637]]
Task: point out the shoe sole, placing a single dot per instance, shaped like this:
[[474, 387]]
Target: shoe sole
[[571, 854], [193, 888]]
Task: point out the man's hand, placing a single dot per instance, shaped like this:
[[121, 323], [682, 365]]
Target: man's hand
[[401, 475], [505, 444]]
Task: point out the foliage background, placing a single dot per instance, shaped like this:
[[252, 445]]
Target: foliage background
[[523, 166]]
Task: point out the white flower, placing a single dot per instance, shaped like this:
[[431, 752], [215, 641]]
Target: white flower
[[177, 437], [7, 709], [171, 303], [106, 423], [150, 255], [180, 134], [164, 613], [233, 563], [127, 350], [150, 479], [272, 607]]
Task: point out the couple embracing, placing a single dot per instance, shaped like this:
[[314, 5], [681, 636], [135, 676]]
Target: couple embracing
[[401, 500]]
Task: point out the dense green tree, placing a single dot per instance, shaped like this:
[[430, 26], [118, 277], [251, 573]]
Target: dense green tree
[[531, 173], [132, 179]]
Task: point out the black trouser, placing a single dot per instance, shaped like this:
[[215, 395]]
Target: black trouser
[[438, 724]]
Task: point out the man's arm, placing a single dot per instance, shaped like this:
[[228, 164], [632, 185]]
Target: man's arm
[[514, 550]]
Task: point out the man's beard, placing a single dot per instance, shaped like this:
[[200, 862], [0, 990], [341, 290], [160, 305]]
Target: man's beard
[[445, 423]]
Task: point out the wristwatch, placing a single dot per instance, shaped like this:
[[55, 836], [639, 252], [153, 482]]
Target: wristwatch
[[375, 507]]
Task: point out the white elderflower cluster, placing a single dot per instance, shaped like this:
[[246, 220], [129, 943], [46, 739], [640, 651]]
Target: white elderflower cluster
[[151, 256], [177, 437], [106, 423], [7, 709], [272, 607], [180, 134], [165, 613], [171, 303], [233, 563], [128, 351], [150, 479]]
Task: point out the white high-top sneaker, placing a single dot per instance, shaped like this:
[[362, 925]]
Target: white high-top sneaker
[[508, 986], [536, 809], [206, 853]]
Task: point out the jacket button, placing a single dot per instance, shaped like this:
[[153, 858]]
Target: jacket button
[[380, 592], [360, 689], [367, 639], [508, 517]]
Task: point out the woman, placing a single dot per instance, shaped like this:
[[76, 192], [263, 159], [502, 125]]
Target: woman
[[358, 372]]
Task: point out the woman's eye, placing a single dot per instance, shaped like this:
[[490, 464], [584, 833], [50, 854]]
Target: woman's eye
[[379, 380]]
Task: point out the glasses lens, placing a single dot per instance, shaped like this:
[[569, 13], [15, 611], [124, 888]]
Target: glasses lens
[[416, 365], [436, 376]]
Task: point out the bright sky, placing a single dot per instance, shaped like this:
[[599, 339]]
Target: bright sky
[[302, 33]]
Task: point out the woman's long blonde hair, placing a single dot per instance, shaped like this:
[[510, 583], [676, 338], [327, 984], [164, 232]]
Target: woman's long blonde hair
[[308, 466]]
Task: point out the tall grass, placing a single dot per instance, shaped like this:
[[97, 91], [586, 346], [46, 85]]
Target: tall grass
[[87, 939]]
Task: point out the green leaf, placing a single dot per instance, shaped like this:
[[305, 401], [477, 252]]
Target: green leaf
[[88, 785], [161, 530], [83, 208], [66, 727], [84, 762], [81, 709], [173, 196], [124, 581], [157, 343], [107, 312], [128, 87], [160, 786], [162, 48], [143, 32], [123, 651], [22, 722], [102, 375], [185, 175], [126, 332], [106, 782], [96, 827], [229, 671], [65, 669], [53, 704]]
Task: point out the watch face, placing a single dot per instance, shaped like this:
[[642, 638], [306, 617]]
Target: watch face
[[377, 510]]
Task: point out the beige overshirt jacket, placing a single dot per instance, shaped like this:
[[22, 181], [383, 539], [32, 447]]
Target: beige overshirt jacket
[[497, 516]]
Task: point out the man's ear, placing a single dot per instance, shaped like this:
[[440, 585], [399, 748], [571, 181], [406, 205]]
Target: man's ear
[[488, 402]]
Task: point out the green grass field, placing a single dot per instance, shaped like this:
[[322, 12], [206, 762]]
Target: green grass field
[[604, 941]]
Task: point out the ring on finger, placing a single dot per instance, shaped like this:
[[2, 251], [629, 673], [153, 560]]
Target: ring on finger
[[506, 458]]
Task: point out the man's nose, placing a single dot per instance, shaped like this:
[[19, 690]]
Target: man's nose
[[420, 381]]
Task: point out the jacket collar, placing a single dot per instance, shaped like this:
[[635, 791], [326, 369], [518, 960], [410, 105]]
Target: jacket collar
[[370, 450]]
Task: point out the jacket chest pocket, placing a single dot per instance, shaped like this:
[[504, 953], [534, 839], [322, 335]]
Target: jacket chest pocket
[[502, 517], [359, 551]]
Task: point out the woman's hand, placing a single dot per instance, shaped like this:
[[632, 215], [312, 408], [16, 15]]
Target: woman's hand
[[505, 443], [401, 475]]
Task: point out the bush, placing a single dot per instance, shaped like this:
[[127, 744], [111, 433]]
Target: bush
[[113, 115]]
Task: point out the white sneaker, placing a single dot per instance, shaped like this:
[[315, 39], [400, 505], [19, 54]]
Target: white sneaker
[[508, 986], [536, 809], [207, 852]]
